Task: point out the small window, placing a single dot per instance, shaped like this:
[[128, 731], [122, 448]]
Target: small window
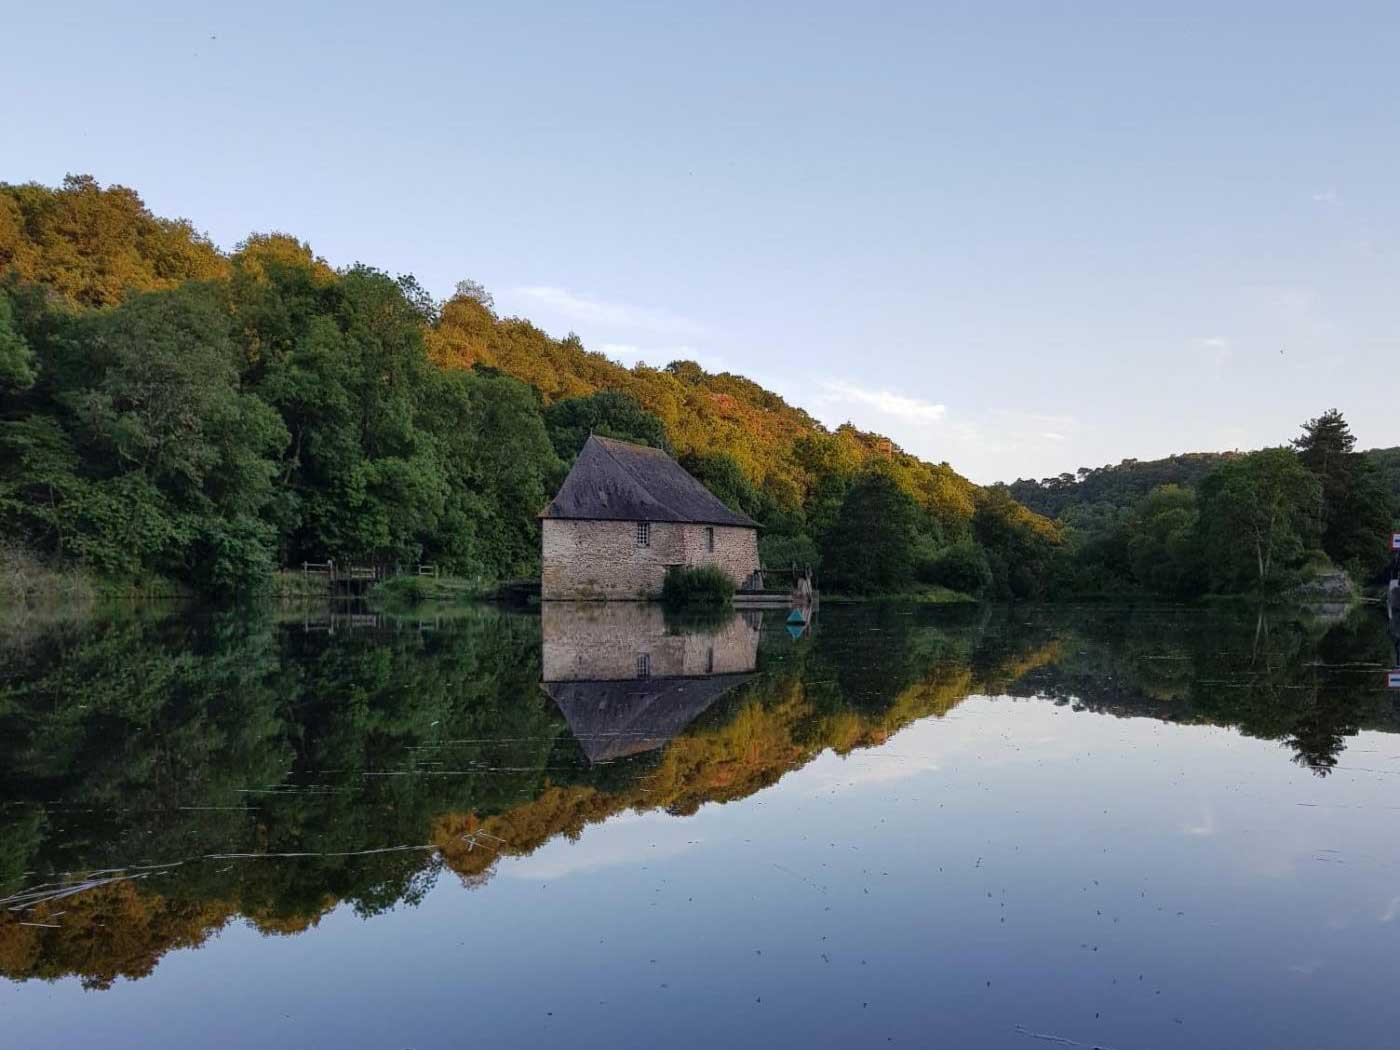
[[644, 665], [709, 538], [643, 534], [710, 660]]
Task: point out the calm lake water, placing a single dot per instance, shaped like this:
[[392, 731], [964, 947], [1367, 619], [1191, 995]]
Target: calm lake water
[[964, 827]]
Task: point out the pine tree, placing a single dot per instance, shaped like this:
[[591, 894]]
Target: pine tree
[[1354, 507]]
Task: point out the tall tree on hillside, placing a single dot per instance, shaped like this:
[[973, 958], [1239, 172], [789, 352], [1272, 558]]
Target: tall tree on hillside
[[499, 469], [1259, 517], [870, 548], [345, 366], [1325, 447], [1161, 540], [476, 291], [93, 245], [465, 327], [138, 449], [1325, 440], [1355, 507], [163, 407], [1019, 544], [16, 358], [608, 413], [1386, 463], [719, 473]]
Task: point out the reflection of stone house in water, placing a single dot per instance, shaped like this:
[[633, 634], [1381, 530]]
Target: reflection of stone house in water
[[625, 515], [626, 683]]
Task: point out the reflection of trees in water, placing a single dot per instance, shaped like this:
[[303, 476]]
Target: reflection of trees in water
[[1272, 674], [157, 739], [135, 740]]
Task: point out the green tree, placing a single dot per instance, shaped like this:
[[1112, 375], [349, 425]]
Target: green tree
[[870, 548], [961, 566], [608, 413], [1258, 518], [40, 489], [1356, 509], [499, 467], [17, 370], [721, 474], [1162, 540], [1386, 463], [345, 365], [1020, 545], [1324, 446], [164, 404], [788, 551], [164, 397]]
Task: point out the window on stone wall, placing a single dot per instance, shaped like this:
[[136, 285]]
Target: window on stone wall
[[710, 660], [709, 538], [644, 665], [643, 534]]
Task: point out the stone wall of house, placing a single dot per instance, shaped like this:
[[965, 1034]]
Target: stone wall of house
[[597, 641], [600, 560]]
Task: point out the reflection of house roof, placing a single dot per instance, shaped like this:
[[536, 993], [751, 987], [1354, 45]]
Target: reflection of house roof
[[617, 481], [615, 719]]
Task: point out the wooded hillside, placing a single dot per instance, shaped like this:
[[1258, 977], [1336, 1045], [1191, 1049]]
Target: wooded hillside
[[167, 407]]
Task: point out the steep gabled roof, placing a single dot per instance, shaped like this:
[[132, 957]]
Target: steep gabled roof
[[612, 720], [617, 481]]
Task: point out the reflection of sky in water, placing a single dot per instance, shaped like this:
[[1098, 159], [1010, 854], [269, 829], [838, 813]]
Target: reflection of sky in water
[[632, 838], [1014, 869]]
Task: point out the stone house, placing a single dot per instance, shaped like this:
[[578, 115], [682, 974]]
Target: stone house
[[626, 515]]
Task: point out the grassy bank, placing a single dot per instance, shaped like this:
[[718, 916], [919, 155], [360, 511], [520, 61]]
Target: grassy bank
[[291, 585], [921, 596], [409, 592], [30, 587]]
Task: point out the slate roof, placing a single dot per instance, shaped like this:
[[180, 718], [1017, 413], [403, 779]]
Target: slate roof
[[617, 481], [614, 719]]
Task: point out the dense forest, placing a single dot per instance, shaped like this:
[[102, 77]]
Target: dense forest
[[1094, 491], [1107, 489], [1225, 522], [174, 412], [170, 410]]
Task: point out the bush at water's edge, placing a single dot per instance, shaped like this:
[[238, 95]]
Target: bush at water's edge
[[702, 586]]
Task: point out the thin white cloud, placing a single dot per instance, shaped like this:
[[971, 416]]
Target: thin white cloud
[[588, 309], [1327, 196], [886, 402], [1050, 435]]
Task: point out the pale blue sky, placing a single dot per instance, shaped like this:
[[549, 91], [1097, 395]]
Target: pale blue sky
[[1019, 237]]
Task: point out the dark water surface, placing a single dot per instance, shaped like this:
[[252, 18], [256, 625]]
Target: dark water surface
[[973, 827]]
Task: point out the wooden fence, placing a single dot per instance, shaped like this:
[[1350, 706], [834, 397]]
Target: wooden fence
[[336, 573]]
